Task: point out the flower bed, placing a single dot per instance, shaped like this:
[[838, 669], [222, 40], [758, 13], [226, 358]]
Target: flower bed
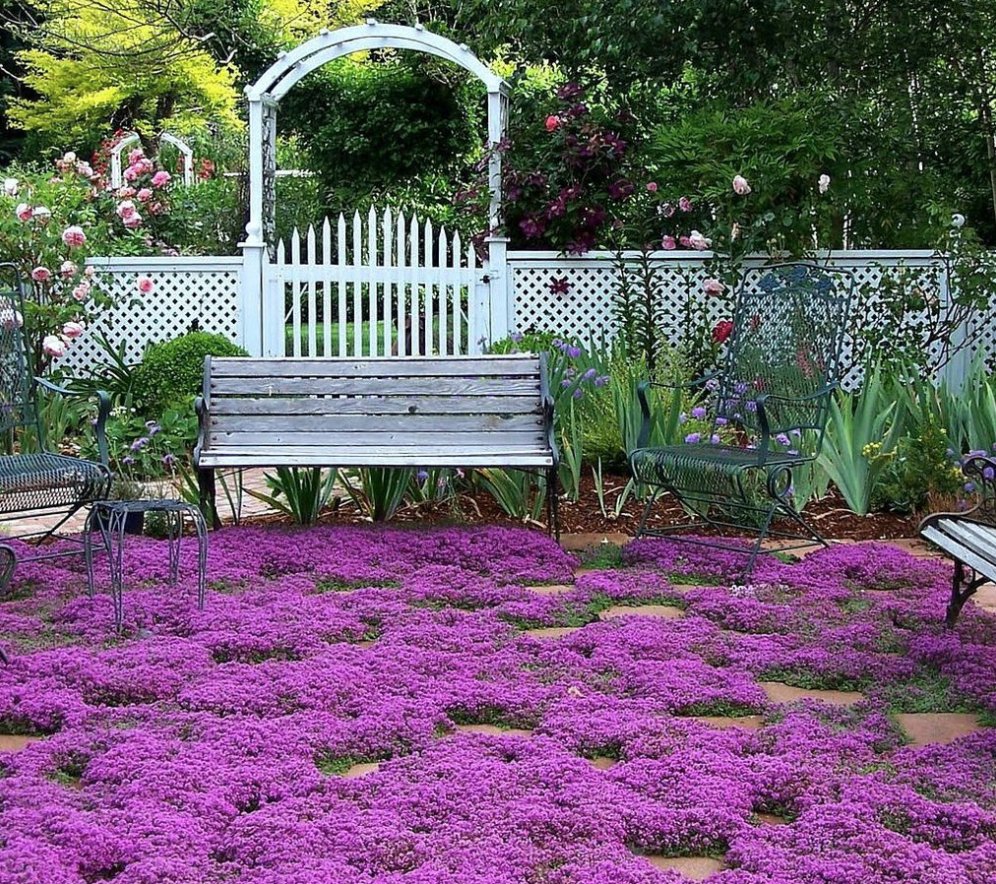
[[211, 746]]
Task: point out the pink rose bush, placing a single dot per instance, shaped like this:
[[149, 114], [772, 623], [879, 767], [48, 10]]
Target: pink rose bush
[[210, 746]]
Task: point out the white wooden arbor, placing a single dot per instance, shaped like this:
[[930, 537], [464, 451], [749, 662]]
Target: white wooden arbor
[[132, 137], [263, 98]]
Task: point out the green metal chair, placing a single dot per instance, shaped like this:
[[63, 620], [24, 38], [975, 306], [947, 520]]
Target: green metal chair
[[770, 400], [41, 479]]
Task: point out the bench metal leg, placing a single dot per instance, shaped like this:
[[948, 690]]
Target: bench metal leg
[[553, 503], [961, 591], [208, 497]]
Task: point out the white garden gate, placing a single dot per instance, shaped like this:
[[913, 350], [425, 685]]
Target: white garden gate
[[382, 285]]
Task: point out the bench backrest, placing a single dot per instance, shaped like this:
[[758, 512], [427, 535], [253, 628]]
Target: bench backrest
[[456, 404]]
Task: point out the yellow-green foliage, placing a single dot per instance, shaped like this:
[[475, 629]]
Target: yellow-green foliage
[[89, 61]]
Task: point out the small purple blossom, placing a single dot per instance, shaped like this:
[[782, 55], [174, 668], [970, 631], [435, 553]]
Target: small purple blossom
[[693, 438]]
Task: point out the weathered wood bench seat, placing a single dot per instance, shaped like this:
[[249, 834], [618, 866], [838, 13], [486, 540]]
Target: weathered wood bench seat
[[969, 538], [493, 411]]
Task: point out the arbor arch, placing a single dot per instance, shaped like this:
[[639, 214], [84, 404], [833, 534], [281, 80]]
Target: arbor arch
[[133, 138], [290, 67]]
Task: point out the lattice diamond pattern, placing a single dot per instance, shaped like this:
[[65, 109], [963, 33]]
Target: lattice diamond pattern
[[179, 298], [587, 306]]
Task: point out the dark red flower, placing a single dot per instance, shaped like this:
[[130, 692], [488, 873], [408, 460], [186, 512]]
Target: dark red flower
[[722, 331], [559, 285]]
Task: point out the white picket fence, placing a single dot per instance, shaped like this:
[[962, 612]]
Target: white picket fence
[[382, 285]]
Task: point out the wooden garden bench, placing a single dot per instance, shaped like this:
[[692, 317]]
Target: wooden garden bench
[[422, 412], [969, 537]]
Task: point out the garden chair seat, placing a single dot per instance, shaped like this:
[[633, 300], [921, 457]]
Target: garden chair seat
[[653, 465], [47, 480]]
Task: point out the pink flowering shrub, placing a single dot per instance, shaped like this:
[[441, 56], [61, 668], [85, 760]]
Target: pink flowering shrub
[[50, 223], [209, 746]]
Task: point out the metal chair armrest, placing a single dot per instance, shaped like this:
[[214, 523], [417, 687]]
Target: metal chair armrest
[[103, 412]]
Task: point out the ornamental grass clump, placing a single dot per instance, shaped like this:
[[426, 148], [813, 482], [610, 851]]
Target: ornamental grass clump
[[220, 745]]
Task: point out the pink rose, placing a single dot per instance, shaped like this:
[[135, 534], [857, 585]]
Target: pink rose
[[133, 221], [131, 173], [145, 285], [68, 268], [699, 242], [135, 156], [161, 179], [156, 208], [652, 187], [74, 237], [713, 287], [23, 212], [126, 192], [669, 243], [41, 274], [144, 195], [552, 123], [72, 330], [53, 345], [82, 291], [740, 185], [41, 214], [89, 272], [685, 204], [125, 209], [84, 169]]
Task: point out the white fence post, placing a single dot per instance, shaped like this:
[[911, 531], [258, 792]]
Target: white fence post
[[501, 308]]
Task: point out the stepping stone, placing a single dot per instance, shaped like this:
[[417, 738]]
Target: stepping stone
[[361, 770], [666, 612], [551, 589], [603, 762], [492, 730], [914, 546], [580, 572], [799, 552], [771, 819], [744, 722], [581, 542], [929, 728], [366, 643], [695, 868], [552, 631], [985, 598], [16, 742], [782, 693], [686, 587]]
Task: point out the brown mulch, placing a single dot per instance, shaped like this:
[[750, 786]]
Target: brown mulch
[[829, 516]]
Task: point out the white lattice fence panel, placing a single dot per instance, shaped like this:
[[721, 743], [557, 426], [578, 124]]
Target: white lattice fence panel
[[575, 296], [184, 291]]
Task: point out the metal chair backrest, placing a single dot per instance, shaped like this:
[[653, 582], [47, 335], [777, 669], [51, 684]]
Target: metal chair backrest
[[18, 409], [787, 342]]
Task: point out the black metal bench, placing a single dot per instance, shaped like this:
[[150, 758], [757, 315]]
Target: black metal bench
[[41, 480], [969, 538], [473, 412]]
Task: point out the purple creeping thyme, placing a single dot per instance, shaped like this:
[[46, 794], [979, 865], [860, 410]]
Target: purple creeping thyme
[[209, 746]]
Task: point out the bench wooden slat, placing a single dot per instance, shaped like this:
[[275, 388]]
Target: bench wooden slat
[[373, 386], [426, 405], [958, 550], [374, 423], [978, 538], [327, 456], [400, 438], [499, 366]]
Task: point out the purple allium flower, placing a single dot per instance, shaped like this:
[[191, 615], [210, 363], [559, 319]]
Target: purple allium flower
[[699, 412], [693, 438]]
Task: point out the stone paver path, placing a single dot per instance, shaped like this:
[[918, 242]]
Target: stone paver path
[[666, 612], [695, 868], [16, 742], [492, 730], [552, 631], [924, 728], [782, 693], [746, 722], [361, 770]]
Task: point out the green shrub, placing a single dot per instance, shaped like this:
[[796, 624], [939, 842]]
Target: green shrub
[[174, 370]]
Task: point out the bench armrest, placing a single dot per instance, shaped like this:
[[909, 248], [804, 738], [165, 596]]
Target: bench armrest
[[688, 385], [103, 411]]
